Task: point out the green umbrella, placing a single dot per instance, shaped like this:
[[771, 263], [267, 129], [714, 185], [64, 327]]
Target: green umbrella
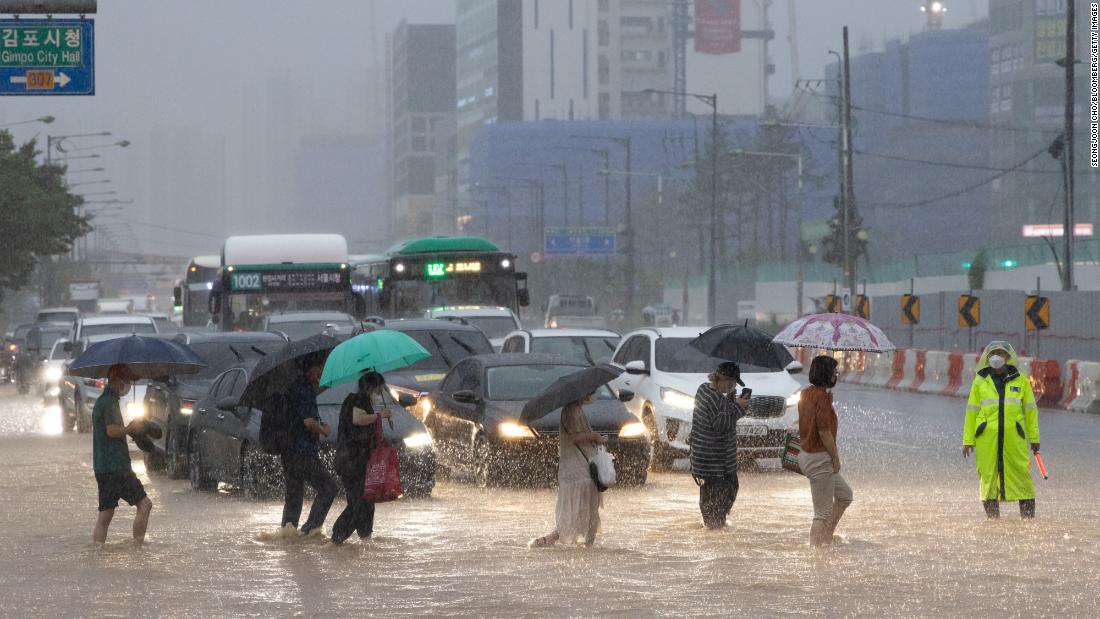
[[381, 351]]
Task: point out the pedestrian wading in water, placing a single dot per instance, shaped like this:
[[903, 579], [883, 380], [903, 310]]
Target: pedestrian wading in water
[[111, 457], [301, 461], [355, 437], [820, 458], [577, 513], [714, 442], [1002, 422]]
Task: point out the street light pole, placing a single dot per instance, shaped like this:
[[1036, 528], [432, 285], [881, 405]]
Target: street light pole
[[1067, 131], [850, 202]]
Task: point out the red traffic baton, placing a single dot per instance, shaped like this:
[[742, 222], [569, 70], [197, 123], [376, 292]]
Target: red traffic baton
[[1042, 467]]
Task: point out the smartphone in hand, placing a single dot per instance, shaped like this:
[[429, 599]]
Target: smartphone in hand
[[746, 392]]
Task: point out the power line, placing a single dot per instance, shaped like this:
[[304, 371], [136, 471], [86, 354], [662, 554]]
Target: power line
[[950, 164], [968, 188], [177, 230], [942, 121]]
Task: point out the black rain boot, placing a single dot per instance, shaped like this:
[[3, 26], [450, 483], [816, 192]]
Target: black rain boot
[[992, 508], [1027, 509]]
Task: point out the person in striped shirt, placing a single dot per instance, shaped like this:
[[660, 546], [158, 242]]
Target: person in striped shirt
[[714, 442]]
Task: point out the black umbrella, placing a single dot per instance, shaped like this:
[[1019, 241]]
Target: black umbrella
[[147, 357], [744, 345], [567, 389], [276, 372]]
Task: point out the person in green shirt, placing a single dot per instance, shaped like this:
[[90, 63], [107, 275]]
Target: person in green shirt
[[111, 457]]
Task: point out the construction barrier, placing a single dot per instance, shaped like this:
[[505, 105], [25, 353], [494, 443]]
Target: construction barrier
[[935, 372], [954, 374], [1046, 382], [916, 378], [884, 369], [904, 360], [1087, 388], [1069, 384]]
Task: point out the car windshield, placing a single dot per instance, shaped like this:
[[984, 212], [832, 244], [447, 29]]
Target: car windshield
[[48, 338], [585, 349], [673, 354], [20, 333], [492, 326], [448, 348], [118, 329], [56, 317], [523, 382], [306, 328], [220, 356], [58, 352]]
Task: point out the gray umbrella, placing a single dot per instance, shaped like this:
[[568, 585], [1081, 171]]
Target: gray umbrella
[[568, 389]]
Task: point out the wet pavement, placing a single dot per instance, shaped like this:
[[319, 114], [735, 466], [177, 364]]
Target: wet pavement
[[915, 542]]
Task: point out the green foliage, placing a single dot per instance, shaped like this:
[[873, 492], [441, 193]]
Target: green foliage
[[976, 274], [37, 213]]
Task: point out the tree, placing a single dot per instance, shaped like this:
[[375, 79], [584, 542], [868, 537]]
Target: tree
[[37, 213], [976, 274]]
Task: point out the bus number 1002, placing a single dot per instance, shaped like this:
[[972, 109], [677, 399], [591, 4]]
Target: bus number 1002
[[247, 281]]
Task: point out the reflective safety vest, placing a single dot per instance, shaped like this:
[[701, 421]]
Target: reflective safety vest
[[1001, 426]]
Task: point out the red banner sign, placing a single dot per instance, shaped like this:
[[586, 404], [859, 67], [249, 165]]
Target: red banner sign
[[717, 26]]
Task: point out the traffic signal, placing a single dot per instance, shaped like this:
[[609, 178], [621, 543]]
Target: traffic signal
[[1008, 264]]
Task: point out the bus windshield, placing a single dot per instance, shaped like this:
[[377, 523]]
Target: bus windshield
[[411, 298]]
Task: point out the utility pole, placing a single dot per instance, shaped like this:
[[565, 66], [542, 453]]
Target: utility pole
[[712, 276], [850, 201], [1067, 161]]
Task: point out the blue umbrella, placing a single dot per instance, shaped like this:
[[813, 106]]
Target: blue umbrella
[[147, 357]]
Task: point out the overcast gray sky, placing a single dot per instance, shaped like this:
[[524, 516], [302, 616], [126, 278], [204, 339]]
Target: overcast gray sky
[[189, 66]]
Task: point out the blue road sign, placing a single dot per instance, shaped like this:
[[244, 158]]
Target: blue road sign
[[580, 241], [47, 57]]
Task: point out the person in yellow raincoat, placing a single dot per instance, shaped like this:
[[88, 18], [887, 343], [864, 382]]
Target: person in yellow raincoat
[[1002, 421]]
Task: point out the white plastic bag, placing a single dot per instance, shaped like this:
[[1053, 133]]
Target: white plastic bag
[[605, 466]]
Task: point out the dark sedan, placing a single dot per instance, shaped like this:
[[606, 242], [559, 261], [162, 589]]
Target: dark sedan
[[223, 443], [474, 419], [447, 342], [171, 401]]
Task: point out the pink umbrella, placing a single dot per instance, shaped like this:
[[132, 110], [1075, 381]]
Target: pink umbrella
[[834, 332]]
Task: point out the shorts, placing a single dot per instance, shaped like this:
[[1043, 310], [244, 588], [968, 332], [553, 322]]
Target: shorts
[[121, 485]]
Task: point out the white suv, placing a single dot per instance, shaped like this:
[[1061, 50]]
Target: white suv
[[664, 372], [495, 322]]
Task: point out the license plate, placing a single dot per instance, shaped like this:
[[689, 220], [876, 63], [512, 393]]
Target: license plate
[[753, 430]]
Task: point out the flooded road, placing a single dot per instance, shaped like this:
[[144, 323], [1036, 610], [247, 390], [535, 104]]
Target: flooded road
[[914, 543]]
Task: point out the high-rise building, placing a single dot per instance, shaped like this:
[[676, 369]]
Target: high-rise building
[[643, 36], [422, 104], [529, 60], [1027, 104]]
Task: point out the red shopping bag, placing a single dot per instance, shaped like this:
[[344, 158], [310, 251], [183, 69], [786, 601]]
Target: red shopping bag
[[383, 481]]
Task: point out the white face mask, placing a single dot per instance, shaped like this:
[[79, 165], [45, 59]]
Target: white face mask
[[996, 362]]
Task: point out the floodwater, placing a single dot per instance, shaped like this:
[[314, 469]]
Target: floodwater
[[915, 542]]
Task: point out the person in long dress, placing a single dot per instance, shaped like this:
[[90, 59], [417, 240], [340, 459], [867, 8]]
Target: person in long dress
[[577, 514]]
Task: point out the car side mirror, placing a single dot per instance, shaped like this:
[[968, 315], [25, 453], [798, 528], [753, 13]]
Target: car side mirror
[[523, 295], [794, 367], [177, 296], [636, 368], [406, 400], [228, 403], [465, 396], [625, 396]]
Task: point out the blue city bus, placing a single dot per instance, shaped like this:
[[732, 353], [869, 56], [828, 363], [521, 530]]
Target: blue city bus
[[418, 275]]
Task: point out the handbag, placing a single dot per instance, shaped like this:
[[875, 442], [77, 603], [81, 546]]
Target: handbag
[[601, 468], [791, 450], [383, 477]]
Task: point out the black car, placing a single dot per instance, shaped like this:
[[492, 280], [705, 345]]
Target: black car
[[223, 444], [37, 345], [448, 342], [474, 419], [171, 401]]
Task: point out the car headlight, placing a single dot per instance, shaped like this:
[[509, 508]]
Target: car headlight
[[553, 323], [53, 374], [633, 429], [418, 440], [187, 407], [794, 399], [678, 399], [136, 409], [511, 430]]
